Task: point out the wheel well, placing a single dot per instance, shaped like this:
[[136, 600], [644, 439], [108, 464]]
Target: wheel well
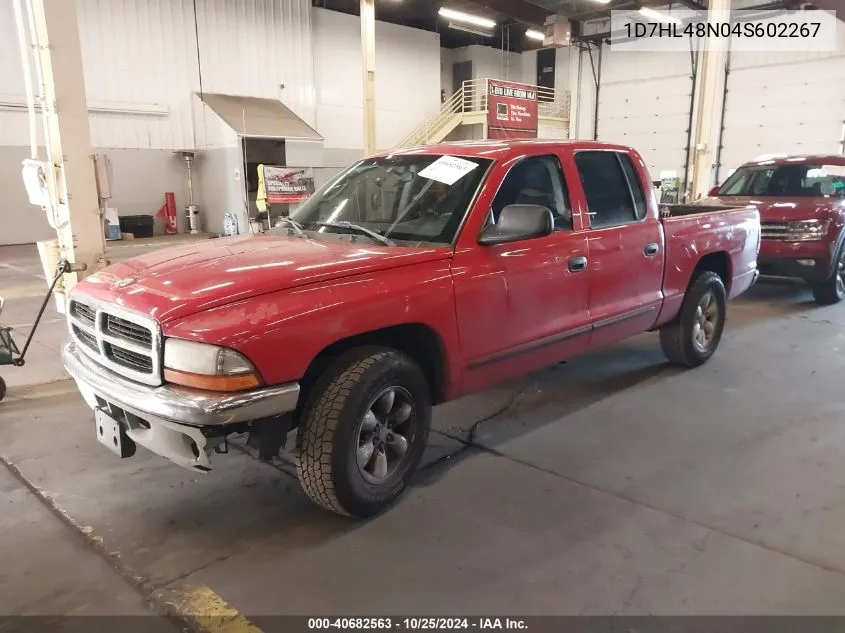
[[718, 263], [418, 341]]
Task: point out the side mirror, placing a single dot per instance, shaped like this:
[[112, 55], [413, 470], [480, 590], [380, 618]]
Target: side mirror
[[714, 191], [518, 222]]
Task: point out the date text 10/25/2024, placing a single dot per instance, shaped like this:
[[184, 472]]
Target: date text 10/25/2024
[[415, 624]]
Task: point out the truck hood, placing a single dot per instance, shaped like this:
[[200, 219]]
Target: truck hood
[[783, 209], [175, 282]]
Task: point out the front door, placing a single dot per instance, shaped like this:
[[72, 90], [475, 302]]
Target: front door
[[625, 246], [523, 306], [461, 72]]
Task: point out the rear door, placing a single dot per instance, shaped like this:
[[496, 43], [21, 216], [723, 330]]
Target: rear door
[[523, 305], [625, 244]]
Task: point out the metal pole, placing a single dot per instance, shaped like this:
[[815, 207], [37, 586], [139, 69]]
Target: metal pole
[[712, 67], [368, 50], [54, 34]]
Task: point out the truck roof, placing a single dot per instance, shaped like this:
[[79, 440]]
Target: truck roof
[[496, 149]]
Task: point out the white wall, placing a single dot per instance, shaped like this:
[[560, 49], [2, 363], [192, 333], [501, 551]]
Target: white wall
[[784, 103], [148, 55], [491, 63], [145, 54], [407, 80]]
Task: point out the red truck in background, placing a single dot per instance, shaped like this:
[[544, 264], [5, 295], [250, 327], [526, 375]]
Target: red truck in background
[[410, 279], [801, 200]]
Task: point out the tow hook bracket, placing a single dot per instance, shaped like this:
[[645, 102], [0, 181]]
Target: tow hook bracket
[[269, 436]]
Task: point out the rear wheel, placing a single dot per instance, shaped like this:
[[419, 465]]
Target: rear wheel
[[363, 431], [832, 290], [2, 388], [693, 337]]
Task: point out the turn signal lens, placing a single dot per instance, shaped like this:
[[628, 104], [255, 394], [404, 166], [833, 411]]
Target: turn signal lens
[[210, 367], [238, 382]]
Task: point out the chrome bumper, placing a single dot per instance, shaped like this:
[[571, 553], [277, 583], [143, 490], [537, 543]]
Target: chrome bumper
[[174, 415]]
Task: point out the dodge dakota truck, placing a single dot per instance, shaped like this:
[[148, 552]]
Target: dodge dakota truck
[[409, 279], [801, 200]]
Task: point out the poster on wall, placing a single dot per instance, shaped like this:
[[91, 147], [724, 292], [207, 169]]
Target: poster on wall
[[511, 110], [286, 185]]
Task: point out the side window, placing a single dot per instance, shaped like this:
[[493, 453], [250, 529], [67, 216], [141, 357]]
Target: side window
[[535, 180], [635, 184], [609, 199]]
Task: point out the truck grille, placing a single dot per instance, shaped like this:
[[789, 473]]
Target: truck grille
[[126, 330], [775, 231], [128, 344], [130, 359]]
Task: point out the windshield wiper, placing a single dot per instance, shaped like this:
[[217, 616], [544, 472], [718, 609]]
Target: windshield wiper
[[296, 226], [343, 224]]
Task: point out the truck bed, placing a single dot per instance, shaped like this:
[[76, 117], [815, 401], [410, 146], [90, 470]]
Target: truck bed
[[679, 210]]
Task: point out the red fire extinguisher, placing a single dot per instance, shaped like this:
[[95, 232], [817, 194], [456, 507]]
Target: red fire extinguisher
[[168, 213]]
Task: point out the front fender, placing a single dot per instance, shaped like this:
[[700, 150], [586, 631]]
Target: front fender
[[282, 332]]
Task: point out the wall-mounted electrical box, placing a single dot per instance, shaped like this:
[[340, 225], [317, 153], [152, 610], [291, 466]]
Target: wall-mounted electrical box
[[557, 31]]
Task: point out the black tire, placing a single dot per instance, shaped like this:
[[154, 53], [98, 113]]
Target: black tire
[[831, 290], [2, 388], [334, 421], [678, 338]]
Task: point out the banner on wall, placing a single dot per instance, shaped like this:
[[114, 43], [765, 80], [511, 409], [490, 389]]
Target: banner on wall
[[511, 110], [285, 185]]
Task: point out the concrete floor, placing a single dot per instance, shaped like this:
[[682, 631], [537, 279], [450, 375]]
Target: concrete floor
[[613, 484]]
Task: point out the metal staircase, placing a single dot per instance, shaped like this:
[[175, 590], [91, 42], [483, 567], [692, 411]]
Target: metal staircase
[[468, 106]]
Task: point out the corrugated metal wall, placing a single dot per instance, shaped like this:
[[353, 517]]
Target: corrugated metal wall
[[142, 54]]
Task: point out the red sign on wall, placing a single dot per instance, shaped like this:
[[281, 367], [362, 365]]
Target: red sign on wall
[[511, 110]]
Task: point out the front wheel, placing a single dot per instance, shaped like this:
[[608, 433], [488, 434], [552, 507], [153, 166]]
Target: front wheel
[[832, 290], [693, 337], [363, 431]]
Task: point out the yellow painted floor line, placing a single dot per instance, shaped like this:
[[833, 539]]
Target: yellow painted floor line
[[210, 612]]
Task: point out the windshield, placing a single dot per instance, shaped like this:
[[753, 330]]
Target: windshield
[[804, 180], [411, 200]]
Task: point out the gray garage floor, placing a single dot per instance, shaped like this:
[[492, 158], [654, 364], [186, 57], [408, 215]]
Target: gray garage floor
[[610, 485]]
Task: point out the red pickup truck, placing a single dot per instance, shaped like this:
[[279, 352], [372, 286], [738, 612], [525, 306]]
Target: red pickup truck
[[802, 206], [411, 278]]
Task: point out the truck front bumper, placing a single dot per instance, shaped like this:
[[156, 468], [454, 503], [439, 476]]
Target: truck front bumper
[[180, 424]]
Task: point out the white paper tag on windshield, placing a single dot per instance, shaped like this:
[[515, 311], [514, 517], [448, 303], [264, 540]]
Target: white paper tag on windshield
[[448, 169]]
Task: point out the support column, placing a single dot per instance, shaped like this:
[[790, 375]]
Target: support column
[[708, 101], [368, 51], [54, 35]]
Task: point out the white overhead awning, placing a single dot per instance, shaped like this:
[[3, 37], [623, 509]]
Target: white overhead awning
[[255, 116]]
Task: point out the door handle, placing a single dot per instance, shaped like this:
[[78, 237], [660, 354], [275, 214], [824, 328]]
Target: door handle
[[650, 250], [577, 264]]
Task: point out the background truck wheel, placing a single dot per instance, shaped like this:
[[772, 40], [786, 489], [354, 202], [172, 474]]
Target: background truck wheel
[[363, 431], [2, 388], [692, 338], [831, 290]]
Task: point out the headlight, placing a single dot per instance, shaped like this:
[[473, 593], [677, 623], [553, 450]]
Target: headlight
[[209, 367], [807, 230]]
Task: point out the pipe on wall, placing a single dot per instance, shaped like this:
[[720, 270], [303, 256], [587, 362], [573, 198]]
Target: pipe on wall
[[693, 78]]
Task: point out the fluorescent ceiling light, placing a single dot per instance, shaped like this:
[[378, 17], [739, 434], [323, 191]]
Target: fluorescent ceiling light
[[602, 1], [460, 16], [469, 29], [534, 35], [657, 15]]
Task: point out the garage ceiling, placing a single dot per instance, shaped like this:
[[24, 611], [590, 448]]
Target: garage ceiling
[[513, 17]]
